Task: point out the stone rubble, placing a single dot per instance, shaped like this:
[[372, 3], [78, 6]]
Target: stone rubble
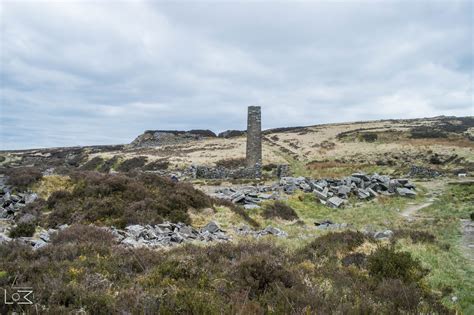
[[329, 225], [37, 241], [167, 234], [420, 171], [269, 230], [331, 192], [11, 203]]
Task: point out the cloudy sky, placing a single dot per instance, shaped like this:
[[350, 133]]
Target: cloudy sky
[[102, 72]]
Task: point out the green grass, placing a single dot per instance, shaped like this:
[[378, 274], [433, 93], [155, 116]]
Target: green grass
[[381, 213], [451, 271]]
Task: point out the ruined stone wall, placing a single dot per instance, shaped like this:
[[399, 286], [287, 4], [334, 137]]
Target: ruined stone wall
[[225, 173], [254, 137]]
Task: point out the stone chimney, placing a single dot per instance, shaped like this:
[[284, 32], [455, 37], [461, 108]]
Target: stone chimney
[[254, 137]]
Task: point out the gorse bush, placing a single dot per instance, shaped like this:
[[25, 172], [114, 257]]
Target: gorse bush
[[121, 200]]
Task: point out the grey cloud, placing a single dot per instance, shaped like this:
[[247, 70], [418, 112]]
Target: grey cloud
[[95, 73]]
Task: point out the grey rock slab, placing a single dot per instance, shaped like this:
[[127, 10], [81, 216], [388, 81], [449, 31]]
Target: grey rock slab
[[211, 227], [383, 234], [39, 243], [363, 193], [335, 202], [29, 198], [251, 206], [321, 195], [4, 238], [238, 197], [343, 190], [135, 230], [372, 192], [405, 192]]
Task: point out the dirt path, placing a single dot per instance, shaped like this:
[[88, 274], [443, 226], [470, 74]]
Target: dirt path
[[410, 212], [435, 189]]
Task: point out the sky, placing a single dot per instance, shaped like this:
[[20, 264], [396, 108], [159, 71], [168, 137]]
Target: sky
[[102, 72]]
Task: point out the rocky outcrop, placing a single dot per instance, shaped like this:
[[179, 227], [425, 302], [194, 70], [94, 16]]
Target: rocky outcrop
[[153, 138], [232, 134]]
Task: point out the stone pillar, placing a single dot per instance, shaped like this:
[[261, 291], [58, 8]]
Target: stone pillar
[[254, 137]]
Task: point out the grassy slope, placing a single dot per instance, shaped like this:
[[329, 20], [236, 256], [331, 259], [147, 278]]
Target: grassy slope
[[450, 269], [450, 272]]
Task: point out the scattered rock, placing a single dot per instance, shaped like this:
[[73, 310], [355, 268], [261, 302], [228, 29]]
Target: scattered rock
[[330, 192], [383, 235], [269, 230], [335, 202], [327, 224], [420, 171]]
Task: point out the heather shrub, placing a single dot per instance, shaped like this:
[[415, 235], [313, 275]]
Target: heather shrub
[[386, 263], [23, 229], [356, 259], [269, 167], [369, 137], [417, 236], [23, 177], [93, 164], [330, 244], [121, 200], [84, 269], [157, 165], [281, 210], [231, 163], [131, 164]]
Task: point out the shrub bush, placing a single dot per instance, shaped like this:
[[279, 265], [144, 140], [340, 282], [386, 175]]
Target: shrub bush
[[281, 210], [23, 229], [93, 164], [386, 263], [83, 268], [121, 200], [369, 137], [416, 236], [131, 164], [231, 163], [330, 244], [423, 132], [157, 165], [23, 177], [269, 167]]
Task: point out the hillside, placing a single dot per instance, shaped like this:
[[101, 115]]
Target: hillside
[[371, 217]]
